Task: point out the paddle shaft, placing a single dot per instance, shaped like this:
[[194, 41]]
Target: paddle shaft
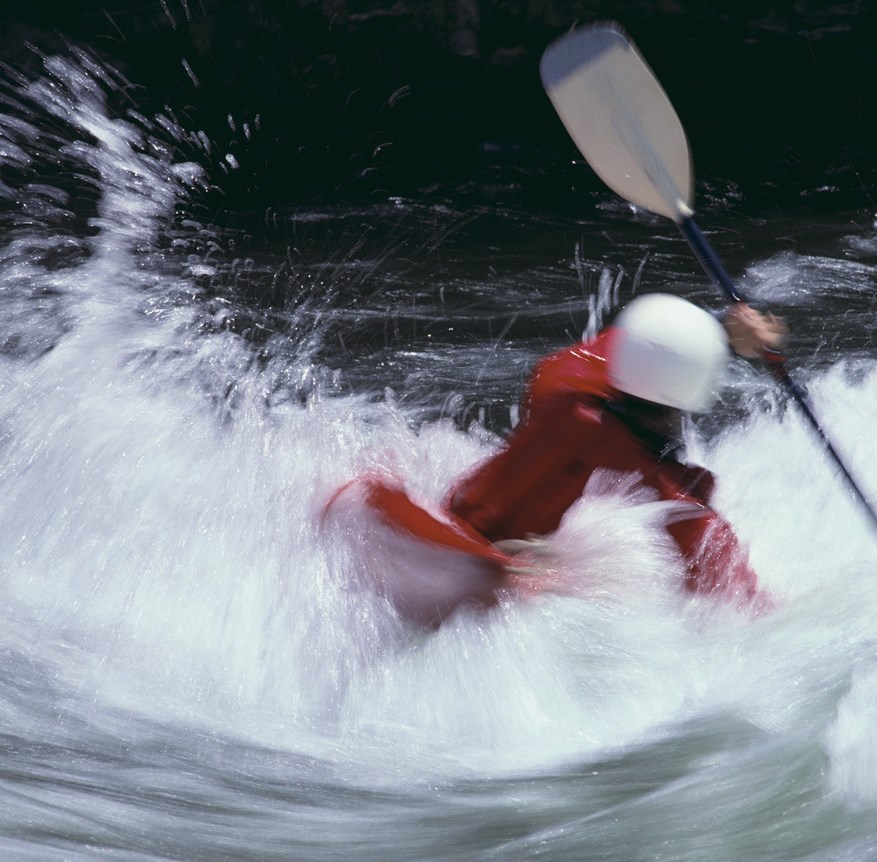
[[703, 251]]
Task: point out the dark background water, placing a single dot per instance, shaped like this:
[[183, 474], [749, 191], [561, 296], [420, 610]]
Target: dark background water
[[399, 165], [335, 100]]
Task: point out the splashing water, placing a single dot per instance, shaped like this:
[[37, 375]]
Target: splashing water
[[181, 627]]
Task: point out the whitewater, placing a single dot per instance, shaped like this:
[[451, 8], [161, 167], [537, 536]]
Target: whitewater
[[195, 663]]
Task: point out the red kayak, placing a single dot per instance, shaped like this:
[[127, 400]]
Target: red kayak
[[431, 562]]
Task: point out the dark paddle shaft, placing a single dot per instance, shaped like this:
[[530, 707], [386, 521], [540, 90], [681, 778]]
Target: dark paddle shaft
[[703, 251], [774, 361]]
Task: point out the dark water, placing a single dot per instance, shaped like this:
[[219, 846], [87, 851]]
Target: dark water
[[194, 666]]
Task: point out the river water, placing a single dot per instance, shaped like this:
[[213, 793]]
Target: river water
[[194, 664]]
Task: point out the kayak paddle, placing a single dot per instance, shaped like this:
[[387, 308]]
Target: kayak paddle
[[624, 125]]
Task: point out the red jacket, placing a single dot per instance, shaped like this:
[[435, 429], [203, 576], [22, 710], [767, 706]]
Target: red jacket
[[568, 432]]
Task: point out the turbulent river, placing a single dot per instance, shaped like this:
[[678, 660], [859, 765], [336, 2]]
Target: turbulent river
[[194, 665]]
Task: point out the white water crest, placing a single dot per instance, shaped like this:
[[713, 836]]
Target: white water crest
[[196, 665]]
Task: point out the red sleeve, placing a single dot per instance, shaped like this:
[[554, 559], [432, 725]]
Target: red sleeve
[[529, 485], [716, 560]]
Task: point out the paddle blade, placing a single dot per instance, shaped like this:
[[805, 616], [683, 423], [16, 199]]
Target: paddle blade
[[620, 118]]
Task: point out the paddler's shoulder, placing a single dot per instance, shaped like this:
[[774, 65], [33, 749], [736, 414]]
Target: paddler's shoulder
[[580, 369]]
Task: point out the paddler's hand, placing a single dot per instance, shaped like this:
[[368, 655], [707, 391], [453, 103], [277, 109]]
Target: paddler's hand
[[751, 332]]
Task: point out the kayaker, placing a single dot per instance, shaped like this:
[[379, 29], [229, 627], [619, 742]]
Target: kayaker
[[616, 403]]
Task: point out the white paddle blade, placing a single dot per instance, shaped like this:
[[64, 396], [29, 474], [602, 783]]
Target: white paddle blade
[[620, 118]]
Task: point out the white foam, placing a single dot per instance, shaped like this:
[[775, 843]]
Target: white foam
[[165, 556]]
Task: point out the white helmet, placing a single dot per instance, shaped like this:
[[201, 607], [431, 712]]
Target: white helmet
[[668, 351]]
